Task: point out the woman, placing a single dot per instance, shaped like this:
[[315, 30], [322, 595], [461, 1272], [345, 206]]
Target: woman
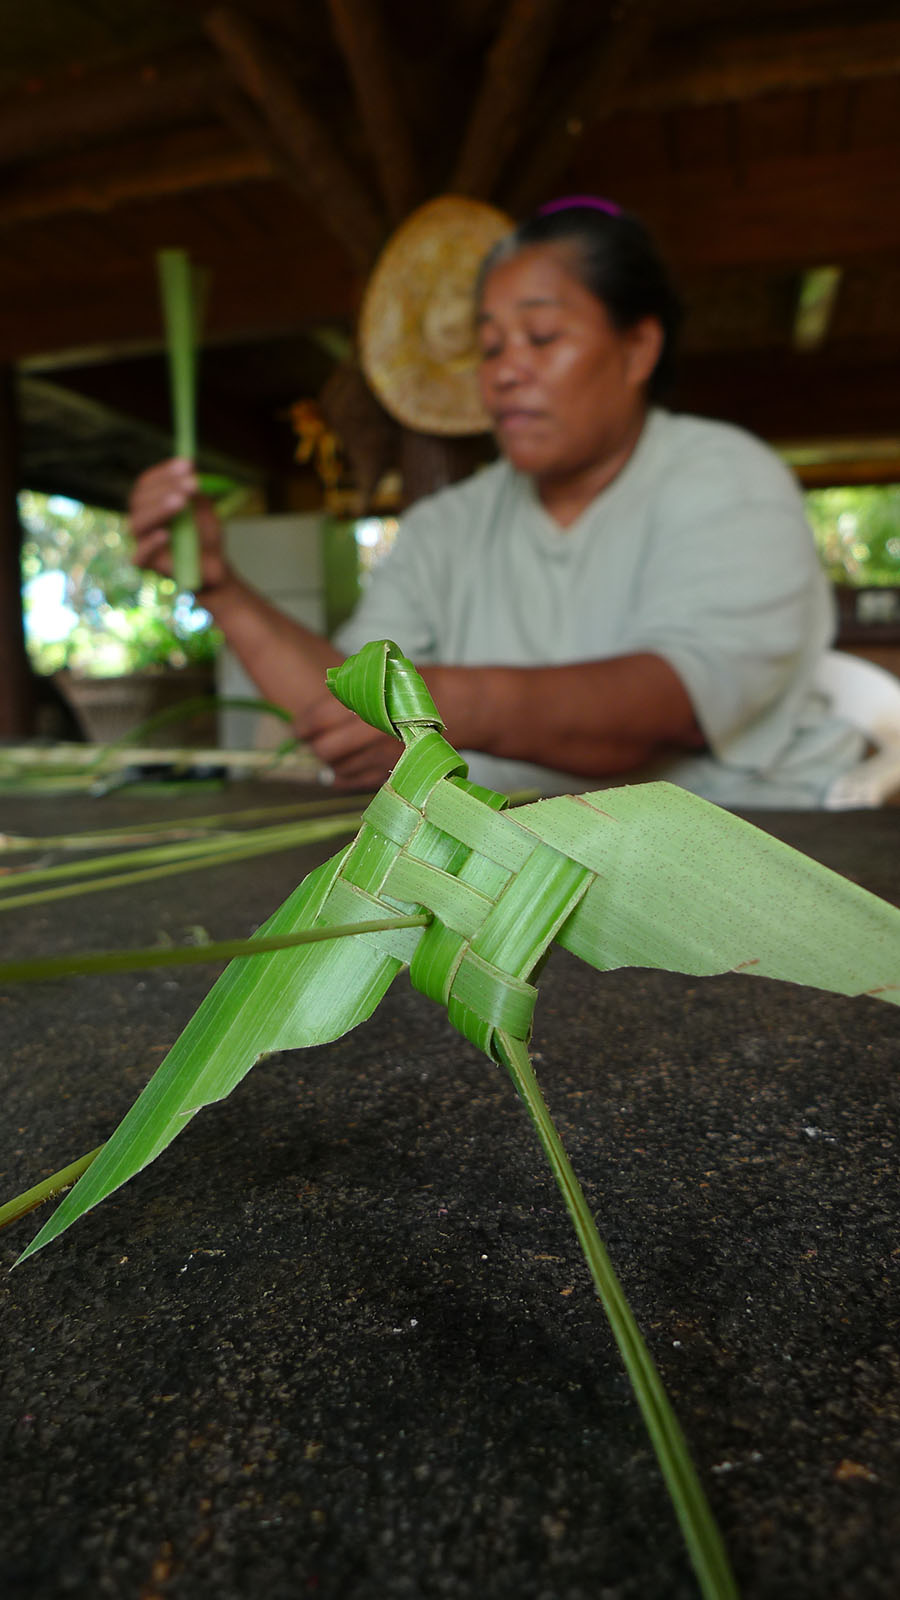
[[625, 594]]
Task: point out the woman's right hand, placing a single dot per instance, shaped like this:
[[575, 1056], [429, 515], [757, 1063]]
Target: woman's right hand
[[158, 496]]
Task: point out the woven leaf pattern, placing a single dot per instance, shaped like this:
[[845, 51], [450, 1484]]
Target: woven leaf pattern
[[647, 875]]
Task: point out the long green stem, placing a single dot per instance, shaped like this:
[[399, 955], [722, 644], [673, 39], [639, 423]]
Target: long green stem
[[202, 844], [700, 1532], [194, 827], [94, 961], [172, 859], [173, 850], [178, 287], [32, 1198]]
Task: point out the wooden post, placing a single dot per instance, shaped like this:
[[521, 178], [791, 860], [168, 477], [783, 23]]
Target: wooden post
[[16, 702]]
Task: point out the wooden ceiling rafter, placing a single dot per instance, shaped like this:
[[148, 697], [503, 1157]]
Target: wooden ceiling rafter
[[161, 164], [721, 66], [238, 114], [510, 77], [360, 33], [591, 102], [318, 164], [105, 103], [780, 395], [849, 210], [722, 69], [60, 247], [703, 224], [733, 63], [244, 452], [117, 311]]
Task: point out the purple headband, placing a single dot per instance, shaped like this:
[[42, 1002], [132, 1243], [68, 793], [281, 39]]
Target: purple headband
[[573, 202]]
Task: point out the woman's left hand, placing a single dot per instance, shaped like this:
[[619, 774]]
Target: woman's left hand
[[356, 755]]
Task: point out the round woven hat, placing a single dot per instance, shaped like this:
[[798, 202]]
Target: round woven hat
[[417, 343]]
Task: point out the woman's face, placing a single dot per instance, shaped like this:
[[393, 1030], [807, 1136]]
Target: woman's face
[[564, 388]]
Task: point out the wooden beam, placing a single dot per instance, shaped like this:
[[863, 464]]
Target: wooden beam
[[243, 119], [243, 424], [251, 297], [592, 101], [194, 158], [241, 448], [824, 463], [364, 45], [731, 65], [341, 199], [16, 705], [512, 70], [794, 212], [840, 471], [237, 113], [709, 68], [833, 394], [59, 112]]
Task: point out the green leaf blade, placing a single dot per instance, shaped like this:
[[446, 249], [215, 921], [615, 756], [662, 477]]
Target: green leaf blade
[[687, 887], [284, 1000]]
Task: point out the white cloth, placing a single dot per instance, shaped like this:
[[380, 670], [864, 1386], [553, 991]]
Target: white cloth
[[699, 551]]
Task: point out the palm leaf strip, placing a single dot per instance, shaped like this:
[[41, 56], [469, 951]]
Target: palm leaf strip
[[179, 286]]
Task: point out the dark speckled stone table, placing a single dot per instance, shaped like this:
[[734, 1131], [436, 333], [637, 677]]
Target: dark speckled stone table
[[339, 1340]]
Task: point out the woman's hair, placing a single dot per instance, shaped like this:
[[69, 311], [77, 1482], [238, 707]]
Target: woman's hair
[[614, 258]]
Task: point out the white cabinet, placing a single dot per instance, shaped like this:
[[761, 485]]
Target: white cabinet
[[281, 556]]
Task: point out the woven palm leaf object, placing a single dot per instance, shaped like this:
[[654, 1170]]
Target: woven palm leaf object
[[648, 875], [644, 875]]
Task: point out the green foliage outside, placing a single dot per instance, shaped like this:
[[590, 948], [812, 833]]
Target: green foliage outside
[[88, 608], [858, 534]]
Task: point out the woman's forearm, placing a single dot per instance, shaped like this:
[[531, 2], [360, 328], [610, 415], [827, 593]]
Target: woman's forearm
[[592, 717], [286, 661]]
